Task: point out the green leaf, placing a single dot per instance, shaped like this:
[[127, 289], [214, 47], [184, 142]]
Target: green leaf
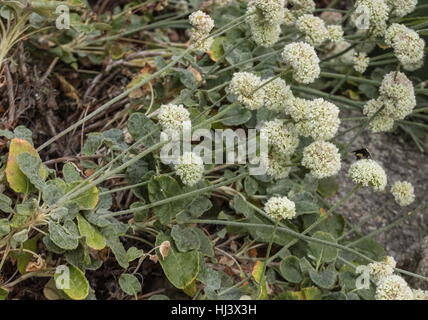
[[321, 252], [32, 168], [185, 238], [5, 204], [134, 253], [86, 201], [200, 205], [250, 185], [181, 269], [129, 284], [17, 180], [4, 227], [325, 279], [290, 269], [66, 236], [163, 187], [236, 116], [22, 257], [113, 242], [216, 50], [78, 284], [70, 173], [93, 237], [22, 132], [3, 293], [328, 187], [19, 238], [140, 126]]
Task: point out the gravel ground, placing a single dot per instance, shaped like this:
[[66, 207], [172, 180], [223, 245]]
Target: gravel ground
[[402, 161]]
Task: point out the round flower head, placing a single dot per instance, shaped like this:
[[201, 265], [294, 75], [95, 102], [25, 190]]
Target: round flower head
[[377, 13], [393, 287], [361, 62], [201, 21], [399, 89], [322, 159], [335, 33], [401, 8], [403, 193], [299, 8], [278, 95], [281, 137], [419, 294], [368, 173], [172, 117], [299, 109], [408, 46], [321, 121], [313, 28], [303, 60], [190, 168], [280, 208], [277, 165], [383, 268], [265, 19], [381, 122], [202, 26], [245, 87]]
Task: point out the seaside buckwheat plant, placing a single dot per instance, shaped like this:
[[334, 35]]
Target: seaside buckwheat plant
[[393, 287], [246, 87], [282, 137], [361, 62], [303, 60], [265, 18], [368, 173], [202, 26], [403, 192], [172, 117], [378, 14], [313, 28], [190, 168], [322, 159], [280, 208], [194, 150], [383, 268], [319, 121]]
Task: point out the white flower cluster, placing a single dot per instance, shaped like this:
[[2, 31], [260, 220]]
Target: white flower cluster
[[277, 165], [408, 46], [390, 286], [313, 28], [401, 8], [202, 26], [265, 19], [380, 269], [322, 159], [335, 33], [403, 193], [190, 168], [318, 118], [393, 287], [368, 173], [304, 61], [280, 208], [278, 95], [378, 13], [419, 294], [361, 62], [396, 101], [282, 137], [298, 8], [245, 87], [172, 118]]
